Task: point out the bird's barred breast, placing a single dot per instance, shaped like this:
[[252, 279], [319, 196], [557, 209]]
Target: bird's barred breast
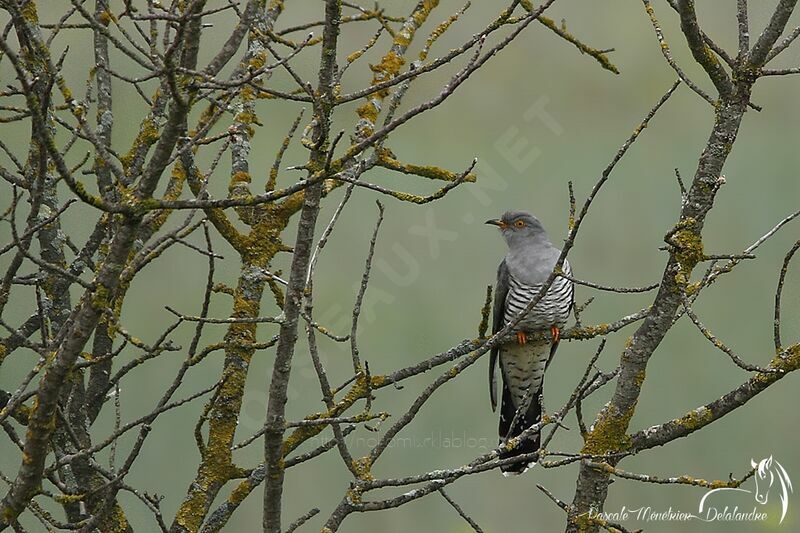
[[552, 310], [523, 370]]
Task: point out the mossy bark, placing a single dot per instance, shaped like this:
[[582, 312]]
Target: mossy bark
[[609, 432]]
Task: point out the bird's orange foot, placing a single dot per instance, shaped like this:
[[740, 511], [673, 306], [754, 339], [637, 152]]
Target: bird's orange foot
[[522, 338], [556, 333]]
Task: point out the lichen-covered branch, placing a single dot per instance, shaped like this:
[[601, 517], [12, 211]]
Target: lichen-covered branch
[[609, 431], [139, 198]]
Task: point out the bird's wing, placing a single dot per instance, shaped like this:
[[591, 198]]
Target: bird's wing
[[500, 293]]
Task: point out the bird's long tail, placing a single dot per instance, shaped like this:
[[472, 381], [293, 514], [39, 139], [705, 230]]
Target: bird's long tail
[[526, 418]]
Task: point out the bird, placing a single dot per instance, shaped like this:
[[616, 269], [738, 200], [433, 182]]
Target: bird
[[530, 260]]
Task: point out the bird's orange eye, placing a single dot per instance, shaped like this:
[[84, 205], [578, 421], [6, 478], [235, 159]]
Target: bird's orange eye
[[519, 223]]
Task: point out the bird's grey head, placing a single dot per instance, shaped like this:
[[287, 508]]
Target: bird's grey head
[[520, 228]]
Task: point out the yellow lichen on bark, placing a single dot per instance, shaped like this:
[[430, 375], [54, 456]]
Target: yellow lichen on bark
[[390, 66]]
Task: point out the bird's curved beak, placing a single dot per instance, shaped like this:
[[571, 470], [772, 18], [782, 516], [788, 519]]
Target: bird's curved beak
[[496, 222]]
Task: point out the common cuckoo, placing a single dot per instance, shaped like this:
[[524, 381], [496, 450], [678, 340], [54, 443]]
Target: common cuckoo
[[530, 260]]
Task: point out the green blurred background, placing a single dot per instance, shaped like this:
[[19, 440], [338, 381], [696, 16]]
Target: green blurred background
[[433, 263]]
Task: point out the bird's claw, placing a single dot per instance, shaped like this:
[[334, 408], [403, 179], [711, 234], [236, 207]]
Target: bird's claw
[[556, 333]]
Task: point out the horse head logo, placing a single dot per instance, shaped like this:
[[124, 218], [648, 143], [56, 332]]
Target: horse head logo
[[769, 475]]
